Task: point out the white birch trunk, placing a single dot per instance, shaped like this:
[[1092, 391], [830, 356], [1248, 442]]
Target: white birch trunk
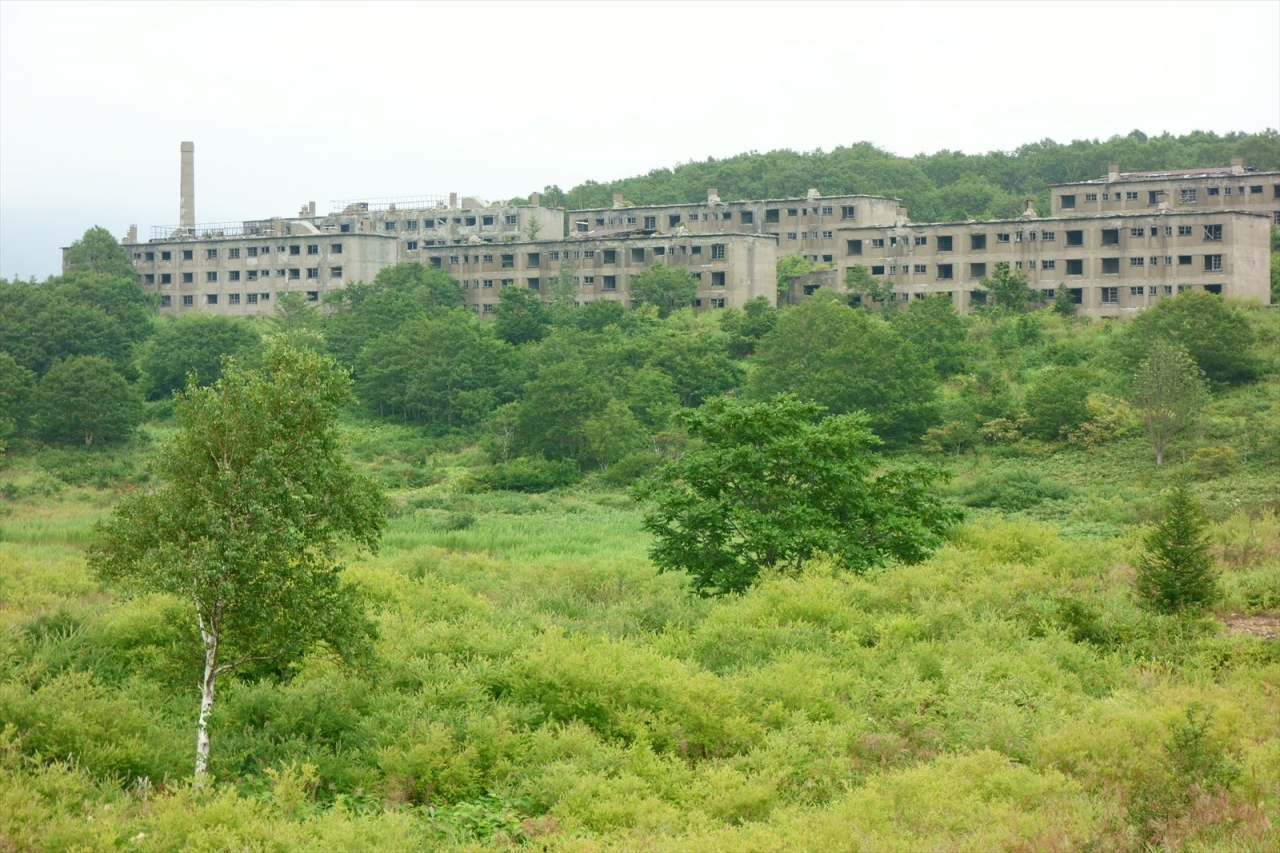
[[206, 706]]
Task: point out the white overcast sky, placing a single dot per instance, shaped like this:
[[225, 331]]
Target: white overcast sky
[[292, 102]]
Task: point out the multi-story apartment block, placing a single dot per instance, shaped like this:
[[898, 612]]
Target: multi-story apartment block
[[1117, 244], [730, 268], [420, 223], [803, 226], [1228, 188], [1113, 265], [232, 270]]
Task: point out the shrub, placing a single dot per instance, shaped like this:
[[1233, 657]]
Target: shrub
[[528, 474], [1209, 463], [1013, 489]]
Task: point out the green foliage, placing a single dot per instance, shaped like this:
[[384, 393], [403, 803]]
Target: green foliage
[[520, 316], [398, 294], [1063, 304], [1169, 391], [936, 330], [1215, 333], [445, 369], [1009, 290], [1196, 764], [945, 186], [1176, 572], [1058, 403], [528, 474], [1012, 489], [614, 433], [79, 313], [789, 268], [847, 360], [97, 252], [669, 288], [868, 291], [769, 489], [746, 326], [196, 343], [16, 384], [253, 500], [84, 399]]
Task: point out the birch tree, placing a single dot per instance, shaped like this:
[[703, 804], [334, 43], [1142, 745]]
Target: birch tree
[[254, 500], [1169, 391]]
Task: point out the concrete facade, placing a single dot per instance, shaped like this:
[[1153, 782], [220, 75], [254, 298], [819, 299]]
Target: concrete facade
[[804, 225], [731, 269], [1115, 265], [421, 223], [1229, 188], [243, 275], [1118, 244]]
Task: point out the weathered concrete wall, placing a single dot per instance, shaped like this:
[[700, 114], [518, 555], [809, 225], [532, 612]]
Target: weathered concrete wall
[[1120, 263]]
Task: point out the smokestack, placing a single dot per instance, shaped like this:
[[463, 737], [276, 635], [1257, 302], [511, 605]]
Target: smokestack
[[617, 200], [1113, 172], [187, 213], [1237, 165]]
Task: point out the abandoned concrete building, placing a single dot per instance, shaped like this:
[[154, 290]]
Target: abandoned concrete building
[[802, 225], [1229, 188], [1113, 265], [1117, 244]]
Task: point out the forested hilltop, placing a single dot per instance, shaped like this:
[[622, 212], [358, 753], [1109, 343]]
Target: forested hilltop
[[941, 187]]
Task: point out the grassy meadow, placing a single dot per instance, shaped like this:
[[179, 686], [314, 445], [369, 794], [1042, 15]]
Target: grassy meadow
[[538, 685]]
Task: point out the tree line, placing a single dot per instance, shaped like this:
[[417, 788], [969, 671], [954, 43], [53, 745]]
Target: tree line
[[940, 187]]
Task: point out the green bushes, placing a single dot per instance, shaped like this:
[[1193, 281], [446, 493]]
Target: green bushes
[[1012, 489], [528, 474]]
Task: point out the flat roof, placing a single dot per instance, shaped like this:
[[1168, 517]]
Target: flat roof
[[1129, 177], [736, 201], [1082, 218]]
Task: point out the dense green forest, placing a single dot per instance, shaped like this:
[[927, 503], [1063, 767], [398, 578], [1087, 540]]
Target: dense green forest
[[942, 187], [820, 577]]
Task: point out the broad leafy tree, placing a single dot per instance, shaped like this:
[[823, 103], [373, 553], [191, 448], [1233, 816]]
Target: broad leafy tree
[[98, 252], [669, 288], [1216, 334], [397, 294], [1008, 289], [446, 370], [937, 331], [773, 484], [245, 525], [83, 400], [520, 316], [1169, 391], [193, 343], [845, 360], [1058, 402]]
